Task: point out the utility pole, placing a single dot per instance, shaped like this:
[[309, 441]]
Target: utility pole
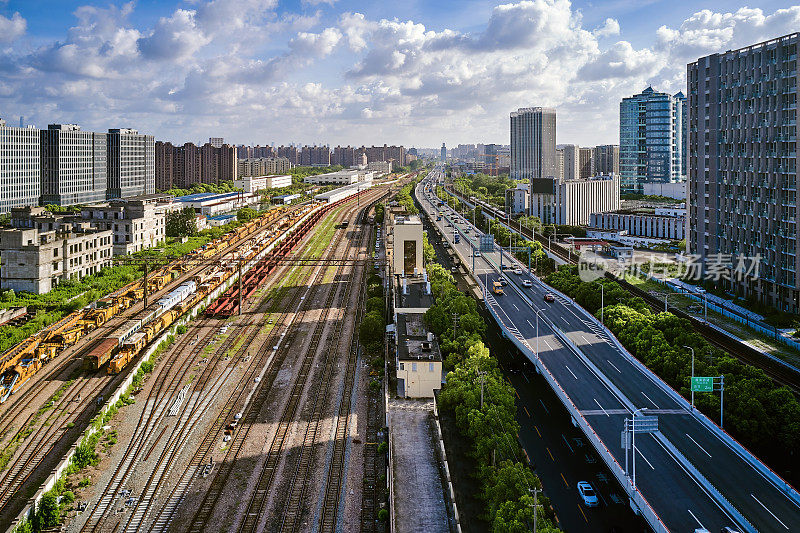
[[240, 287], [482, 377], [455, 324], [146, 265], [535, 492], [690, 382], [602, 301]]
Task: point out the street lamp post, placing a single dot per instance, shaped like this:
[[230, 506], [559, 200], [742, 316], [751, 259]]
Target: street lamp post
[[537, 332], [602, 301], [690, 382]]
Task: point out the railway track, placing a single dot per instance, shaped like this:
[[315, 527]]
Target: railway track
[[146, 439], [201, 518]]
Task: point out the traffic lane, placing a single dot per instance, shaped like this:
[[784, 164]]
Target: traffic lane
[[680, 502], [767, 508]]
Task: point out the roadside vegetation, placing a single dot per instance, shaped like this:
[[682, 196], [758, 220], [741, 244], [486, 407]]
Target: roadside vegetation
[[761, 415], [491, 427]]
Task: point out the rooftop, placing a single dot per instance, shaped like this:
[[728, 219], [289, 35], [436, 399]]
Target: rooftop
[[413, 342], [407, 220], [415, 295]]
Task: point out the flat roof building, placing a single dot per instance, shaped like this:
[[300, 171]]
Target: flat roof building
[[131, 163], [74, 165], [250, 184], [20, 167]]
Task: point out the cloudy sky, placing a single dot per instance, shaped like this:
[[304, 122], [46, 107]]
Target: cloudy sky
[[412, 72]]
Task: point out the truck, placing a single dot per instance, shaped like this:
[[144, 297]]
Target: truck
[[497, 288]]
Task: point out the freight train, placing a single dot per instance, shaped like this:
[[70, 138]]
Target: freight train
[[23, 360]]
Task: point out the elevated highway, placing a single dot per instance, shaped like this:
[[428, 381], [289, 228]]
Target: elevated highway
[[689, 473]]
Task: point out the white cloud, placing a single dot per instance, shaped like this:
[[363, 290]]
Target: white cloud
[[610, 27], [176, 37], [12, 28], [254, 72]]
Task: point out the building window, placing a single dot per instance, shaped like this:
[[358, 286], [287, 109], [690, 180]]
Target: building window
[[402, 366], [430, 367], [413, 367]]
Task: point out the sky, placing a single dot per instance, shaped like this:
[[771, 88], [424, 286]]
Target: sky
[[412, 72]]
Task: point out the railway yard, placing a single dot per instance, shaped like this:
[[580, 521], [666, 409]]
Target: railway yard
[[254, 419]]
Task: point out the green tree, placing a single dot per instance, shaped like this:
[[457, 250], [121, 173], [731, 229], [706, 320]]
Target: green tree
[[246, 214], [48, 511], [181, 223], [371, 330]]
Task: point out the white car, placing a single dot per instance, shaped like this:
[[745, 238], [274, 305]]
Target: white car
[[477, 253], [588, 494], [527, 283], [518, 271]]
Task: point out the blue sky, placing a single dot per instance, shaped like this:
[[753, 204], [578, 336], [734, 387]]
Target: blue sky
[[345, 72]]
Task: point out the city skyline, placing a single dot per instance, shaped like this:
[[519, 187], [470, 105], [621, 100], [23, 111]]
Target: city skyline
[[340, 73]]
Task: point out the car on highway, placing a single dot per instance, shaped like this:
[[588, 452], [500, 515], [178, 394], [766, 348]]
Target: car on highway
[[453, 269], [588, 495], [502, 280], [476, 253], [518, 271], [549, 297], [527, 283]]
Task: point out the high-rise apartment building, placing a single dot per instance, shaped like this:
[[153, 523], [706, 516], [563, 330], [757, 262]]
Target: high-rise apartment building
[[585, 163], [73, 165], [652, 139], [344, 156], [570, 155], [216, 142], [533, 143], [606, 159], [559, 162], [131, 163], [289, 152], [20, 167], [443, 153], [571, 202], [397, 154], [317, 156], [743, 161], [183, 166]]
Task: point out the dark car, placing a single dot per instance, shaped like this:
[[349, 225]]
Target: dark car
[[549, 297]]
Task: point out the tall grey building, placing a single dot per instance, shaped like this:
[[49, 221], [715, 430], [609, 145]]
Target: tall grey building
[[533, 143], [743, 161], [131, 163], [571, 158], [606, 159], [19, 167], [444, 153], [73, 165], [652, 139]]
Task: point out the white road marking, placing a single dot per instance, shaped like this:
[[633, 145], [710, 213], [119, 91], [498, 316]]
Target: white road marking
[[651, 401], [770, 512], [529, 323], [645, 459], [564, 319], [601, 408], [571, 372], [704, 450], [567, 443], [585, 339], [524, 375], [547, 343], [696, 519], [615, 368], [544, 407], [515, 307]]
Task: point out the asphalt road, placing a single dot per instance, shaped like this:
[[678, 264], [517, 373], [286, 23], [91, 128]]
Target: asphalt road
[[605, 385]]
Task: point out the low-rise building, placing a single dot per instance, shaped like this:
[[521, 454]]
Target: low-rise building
[[210, 204], [379, 167], [662, 223], [571, 202], [518, 198], [419, 361], [137, 223], [343, 192], [41, 250], [341, 177], [406, 237], [251, 184]]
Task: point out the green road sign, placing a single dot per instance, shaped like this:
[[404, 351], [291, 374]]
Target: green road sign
[[703, 384]]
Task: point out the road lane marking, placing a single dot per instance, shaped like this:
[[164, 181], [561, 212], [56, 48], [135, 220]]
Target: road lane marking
[[601, 407], [515, 307], [515, 392], [587, 341], [651, 401], [537, 430], [564, 319], [567, 443], [544, 407], [770, 512], [571, 372], [615, 367], [584, 514], [531, 325], [524, 375], [550, 454], [526, 411], [565, 480], [704, 450], [696, 519], [645, 458], [547, 343]]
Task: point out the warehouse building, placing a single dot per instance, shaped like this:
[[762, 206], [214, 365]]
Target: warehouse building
[[251, 184]]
